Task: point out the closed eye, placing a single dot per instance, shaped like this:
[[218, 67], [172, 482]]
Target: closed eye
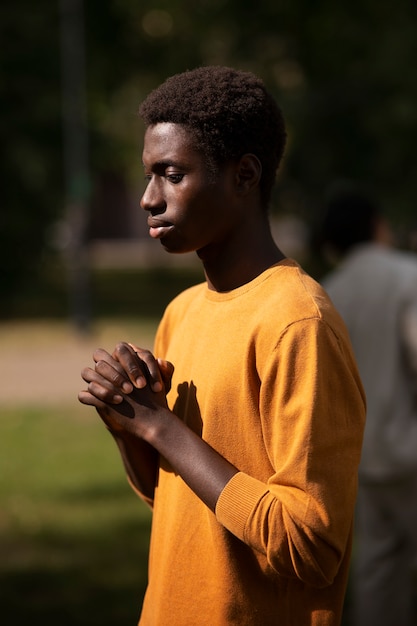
[[175, 178]]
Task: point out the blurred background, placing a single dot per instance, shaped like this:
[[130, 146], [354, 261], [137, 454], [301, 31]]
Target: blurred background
[[77, 269]]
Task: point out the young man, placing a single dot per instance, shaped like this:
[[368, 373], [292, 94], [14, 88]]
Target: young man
[[374, 287], [248, 450]]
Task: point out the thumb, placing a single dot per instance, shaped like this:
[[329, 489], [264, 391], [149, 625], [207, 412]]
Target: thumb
[[167, 369]]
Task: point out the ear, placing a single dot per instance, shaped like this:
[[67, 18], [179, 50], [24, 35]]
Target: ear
[[248, 173]]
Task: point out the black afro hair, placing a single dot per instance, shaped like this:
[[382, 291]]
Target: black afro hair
[[229, 113]]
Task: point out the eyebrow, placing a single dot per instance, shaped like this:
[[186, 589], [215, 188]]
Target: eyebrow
[[163, 164]]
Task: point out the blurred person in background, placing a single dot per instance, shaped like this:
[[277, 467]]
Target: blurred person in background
[[374, 287]]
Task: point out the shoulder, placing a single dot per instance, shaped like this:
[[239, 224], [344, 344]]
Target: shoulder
[[292, 299], [298, 294], [376, 265]]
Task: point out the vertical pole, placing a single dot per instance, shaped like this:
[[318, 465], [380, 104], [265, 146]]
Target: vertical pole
[[76, 169]]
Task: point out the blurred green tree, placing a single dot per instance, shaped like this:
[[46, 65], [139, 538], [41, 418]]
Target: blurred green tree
[[343, 73], [30, 144]]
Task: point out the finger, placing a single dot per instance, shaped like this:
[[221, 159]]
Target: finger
[[87, 374], [115, 375], [151, 369], [112, 416], [100, 387], [103, 355], [102, 392], [167, 369], [85, 397], [131, 364]]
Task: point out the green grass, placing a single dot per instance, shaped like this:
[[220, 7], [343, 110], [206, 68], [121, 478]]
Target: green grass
[[73, 536]]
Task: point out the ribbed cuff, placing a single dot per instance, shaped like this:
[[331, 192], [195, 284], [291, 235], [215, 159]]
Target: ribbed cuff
[[237, 501]]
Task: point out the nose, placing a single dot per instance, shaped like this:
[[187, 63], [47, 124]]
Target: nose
[[152, 199]]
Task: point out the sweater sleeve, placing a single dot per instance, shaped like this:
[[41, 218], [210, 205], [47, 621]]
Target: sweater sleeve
[[312, 411]]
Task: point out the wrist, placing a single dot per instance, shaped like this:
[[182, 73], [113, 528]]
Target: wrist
[[160, 428]]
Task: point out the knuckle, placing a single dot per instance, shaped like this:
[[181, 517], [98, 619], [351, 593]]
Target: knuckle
[[121, 348], [133, 367], [109, 374], [116, 379]]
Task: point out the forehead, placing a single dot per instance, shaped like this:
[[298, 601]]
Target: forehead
[[169, 142]]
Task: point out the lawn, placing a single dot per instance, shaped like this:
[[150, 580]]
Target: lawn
[[73, 536]]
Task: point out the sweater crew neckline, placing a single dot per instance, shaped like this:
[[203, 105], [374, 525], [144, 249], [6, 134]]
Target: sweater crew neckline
[[222, 296]]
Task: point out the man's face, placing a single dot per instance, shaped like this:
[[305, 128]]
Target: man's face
[[189, 209]]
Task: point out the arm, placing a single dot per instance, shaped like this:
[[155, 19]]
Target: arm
[[312, 411], [140, 461]]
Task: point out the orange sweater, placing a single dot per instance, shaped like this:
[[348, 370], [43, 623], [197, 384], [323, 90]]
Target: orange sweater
[[265, 374]]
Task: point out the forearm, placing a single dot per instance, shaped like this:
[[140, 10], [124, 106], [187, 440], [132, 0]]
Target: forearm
[[140, 461], [204, 470]]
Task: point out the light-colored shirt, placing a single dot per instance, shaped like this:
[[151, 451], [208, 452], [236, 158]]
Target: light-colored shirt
[[375, 290]]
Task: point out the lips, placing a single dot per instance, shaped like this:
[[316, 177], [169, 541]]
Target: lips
[[158, 229]]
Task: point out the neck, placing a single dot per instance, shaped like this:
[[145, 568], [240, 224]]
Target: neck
[[231, 266]]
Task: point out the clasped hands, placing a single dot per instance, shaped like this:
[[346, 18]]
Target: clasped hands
[[126, 384]]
